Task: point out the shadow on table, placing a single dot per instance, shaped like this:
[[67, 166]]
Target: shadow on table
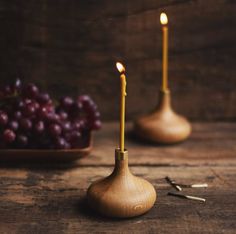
[[84, 209], [39, 165], [137, 140]]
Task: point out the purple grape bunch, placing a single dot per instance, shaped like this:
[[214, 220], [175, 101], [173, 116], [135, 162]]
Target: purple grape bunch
[[29, 119]]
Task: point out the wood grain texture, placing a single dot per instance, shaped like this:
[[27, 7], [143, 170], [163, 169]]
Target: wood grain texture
[[43, 201], [121, 194], [209, 144], [71, 47], [50, 198], [163, 125]]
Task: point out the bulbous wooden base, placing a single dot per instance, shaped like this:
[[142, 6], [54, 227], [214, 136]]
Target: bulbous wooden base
[[163, 125], [121, 194]]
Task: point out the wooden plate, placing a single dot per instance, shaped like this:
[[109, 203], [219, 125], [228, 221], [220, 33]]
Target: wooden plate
[[41, 155]]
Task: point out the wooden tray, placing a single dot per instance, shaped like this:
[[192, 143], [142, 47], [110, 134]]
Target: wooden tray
[[41, 155]]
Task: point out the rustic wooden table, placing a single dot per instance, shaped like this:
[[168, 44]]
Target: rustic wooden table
[[50, 198]]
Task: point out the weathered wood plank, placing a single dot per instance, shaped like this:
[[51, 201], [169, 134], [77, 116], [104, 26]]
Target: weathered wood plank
[[209, 144], [50, 199], [45, 201], [75, 45]]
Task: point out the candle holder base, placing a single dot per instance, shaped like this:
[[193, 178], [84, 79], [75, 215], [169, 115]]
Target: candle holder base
[[163, 126], [121, 194]]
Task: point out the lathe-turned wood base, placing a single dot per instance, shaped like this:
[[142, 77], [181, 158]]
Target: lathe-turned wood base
[[163, 125], [121, 194]]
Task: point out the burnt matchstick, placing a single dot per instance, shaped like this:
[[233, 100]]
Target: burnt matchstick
[[172, 183], [193, 185], [187, 197]]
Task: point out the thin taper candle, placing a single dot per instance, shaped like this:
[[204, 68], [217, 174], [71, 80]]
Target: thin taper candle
[[164, 21], [121, 69]]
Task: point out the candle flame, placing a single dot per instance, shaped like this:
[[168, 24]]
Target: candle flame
[[163, 19], [120, 67]]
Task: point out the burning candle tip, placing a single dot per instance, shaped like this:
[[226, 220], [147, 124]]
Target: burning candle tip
[[120, 67], [163, 18]]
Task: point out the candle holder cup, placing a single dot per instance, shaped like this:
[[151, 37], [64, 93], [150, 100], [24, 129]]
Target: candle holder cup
[[163, 126], [121, 194]]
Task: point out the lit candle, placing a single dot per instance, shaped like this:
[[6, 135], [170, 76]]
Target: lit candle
[[164, 22], [121, 69]]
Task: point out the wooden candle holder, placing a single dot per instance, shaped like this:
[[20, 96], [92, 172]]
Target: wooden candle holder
[[121, 194], [163, 125]]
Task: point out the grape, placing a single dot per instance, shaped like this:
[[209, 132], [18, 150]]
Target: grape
[[78, 106], [55, 130], [96, 115], [20, 104], [56, 118], [25, 124], [22, 140], [76, 110], [43, 98], [36, 105], [91, 105], [18, 84], [87, 102], [13, 125], [96, 125], [66, 126], [84, 98], [63, 115], [93, 117], [74, 138], [3, 118], [52, 117], [39, 127], [31, 91], [68, 145], [61, 143], [90, 108], [27, 101], [29, 119], [29, 110], [49, 107], [9, 136], [17, 115], [42, 112], [77, 125], [82, 124], [66, 102]]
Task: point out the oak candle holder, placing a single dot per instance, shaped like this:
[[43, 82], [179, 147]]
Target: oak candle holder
[[163, 126], [121, 194]]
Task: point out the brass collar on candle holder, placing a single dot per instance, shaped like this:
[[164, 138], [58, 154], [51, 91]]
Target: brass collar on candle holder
[[119, 155]]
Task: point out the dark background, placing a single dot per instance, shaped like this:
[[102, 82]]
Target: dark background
[[71, 46]]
